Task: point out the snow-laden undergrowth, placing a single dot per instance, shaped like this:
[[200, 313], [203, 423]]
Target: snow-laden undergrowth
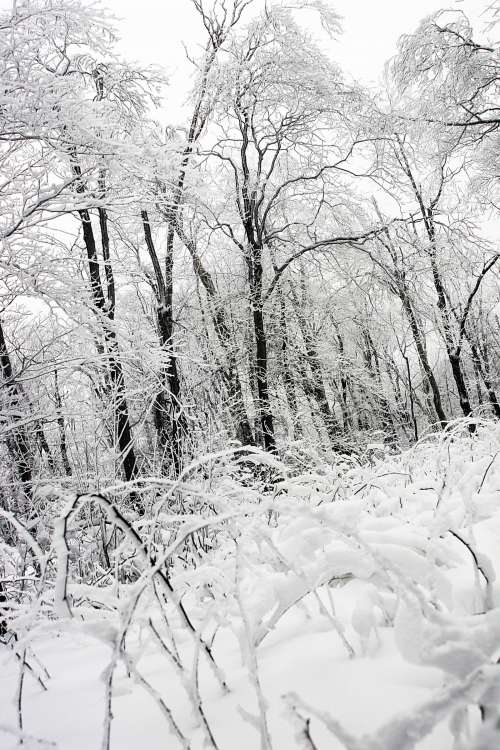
[[348, 606]]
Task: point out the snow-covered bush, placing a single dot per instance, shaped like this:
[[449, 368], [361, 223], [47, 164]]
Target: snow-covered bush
[[396, 558]]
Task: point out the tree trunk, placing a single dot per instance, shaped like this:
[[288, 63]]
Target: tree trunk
[[420, 346], [286, 374], [316, 386], [346, 421], [452, 351], [427, 213], [318, 390], [410, 396], [169, 420], [225, 338], [373, 367], [261, 358], [18, 443], [104, 310], [63, 446], [481, 363]]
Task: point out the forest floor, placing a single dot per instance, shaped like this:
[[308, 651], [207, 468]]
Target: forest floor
[[370, 622]]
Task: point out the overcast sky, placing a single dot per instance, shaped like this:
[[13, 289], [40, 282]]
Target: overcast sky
[[152, 31]]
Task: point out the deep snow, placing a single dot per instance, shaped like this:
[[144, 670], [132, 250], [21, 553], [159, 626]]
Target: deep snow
[[367, 593]]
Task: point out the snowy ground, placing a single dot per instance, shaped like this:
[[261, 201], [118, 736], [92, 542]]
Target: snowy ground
[[362, 612]]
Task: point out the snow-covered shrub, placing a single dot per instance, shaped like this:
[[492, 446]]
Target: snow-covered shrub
[[397, 555]]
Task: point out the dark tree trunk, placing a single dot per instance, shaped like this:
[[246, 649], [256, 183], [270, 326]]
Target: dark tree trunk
[[459, 379], [252, 372], [176, 417], [261, 357], [373, 367], [343, 378], [261, 366], [420, 346], [319, 392], [286, 372], [402, 413], [482, 365], [427, 213], [63, 446], [168, 420], [104, 309], [18, 443], [452, 351], [225, 338], [315, 388], [411, 396]]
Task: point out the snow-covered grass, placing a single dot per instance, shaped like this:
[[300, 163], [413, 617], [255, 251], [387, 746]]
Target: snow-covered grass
[[354, 606]]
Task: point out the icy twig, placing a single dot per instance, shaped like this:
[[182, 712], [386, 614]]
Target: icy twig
[[265, 739], [24, 737]]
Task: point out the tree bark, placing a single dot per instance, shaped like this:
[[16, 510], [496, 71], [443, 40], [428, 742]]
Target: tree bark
[[286, 372], [316, 387], [373, 367], [482, 364], [104, 309], [18, 443], [453, 352], [261, 355], [225, 338], [419, 339], [63, 446]]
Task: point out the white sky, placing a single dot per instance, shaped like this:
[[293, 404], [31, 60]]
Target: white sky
[[153, 31]]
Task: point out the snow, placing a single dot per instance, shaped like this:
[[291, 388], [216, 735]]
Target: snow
[[335, 624]]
